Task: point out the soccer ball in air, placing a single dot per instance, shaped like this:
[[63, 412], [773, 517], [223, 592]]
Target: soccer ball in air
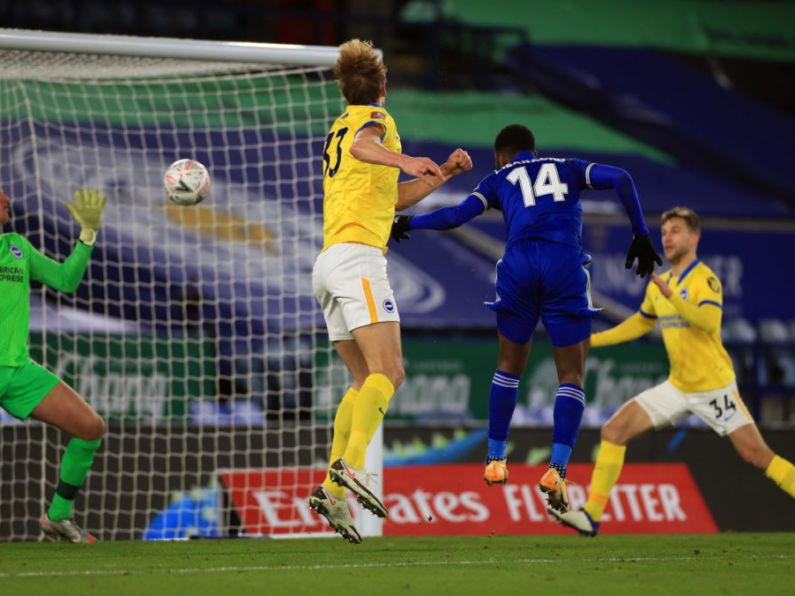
[[187, 182]]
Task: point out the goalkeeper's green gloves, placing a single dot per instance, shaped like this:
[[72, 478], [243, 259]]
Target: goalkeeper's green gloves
[[642, 250], [87, 209], [400, 228]]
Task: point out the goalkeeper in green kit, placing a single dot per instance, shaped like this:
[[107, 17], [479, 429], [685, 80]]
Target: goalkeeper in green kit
[[27, 389]]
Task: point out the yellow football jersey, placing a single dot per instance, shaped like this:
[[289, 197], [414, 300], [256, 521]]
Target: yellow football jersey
[[358, 198], [699, 362]]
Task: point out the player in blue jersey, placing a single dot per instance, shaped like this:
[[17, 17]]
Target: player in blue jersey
[[541, 275]]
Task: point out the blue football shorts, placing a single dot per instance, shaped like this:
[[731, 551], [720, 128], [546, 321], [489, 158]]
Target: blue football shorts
[[546, 280]]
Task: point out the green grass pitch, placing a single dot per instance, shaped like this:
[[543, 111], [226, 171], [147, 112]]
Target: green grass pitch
[[499, 565]]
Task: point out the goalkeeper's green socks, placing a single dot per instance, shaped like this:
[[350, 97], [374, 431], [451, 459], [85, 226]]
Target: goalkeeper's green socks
[[368, 412], [782, 472], [342, 432], [608, 468], [75, 465]]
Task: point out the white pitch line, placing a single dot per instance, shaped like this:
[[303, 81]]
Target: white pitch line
[[332, 566]]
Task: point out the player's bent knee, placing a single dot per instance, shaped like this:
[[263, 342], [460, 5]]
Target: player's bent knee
[[610, 434], [397, 375], [615, 431], [394, 373]]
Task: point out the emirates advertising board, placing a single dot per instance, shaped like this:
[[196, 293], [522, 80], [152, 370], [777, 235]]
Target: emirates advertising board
[[447, 500]]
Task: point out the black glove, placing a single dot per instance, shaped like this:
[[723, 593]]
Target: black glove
[[400, 228], [642, 250]]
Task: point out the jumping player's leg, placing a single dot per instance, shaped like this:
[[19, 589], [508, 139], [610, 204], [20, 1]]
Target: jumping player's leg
[[66, 410], [516, 307], [566, 311], [569, 402], [752, 448], [354, 361], [328, 500], [381, 348], [567, 413], [503, 395]]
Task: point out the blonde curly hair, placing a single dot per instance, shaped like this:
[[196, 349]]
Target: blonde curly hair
[[360, 72]]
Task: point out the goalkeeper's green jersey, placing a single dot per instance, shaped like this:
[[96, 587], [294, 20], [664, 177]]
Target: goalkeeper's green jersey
[[19, 264]]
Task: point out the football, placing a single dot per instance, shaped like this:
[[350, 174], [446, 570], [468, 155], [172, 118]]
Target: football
[[187, 182]]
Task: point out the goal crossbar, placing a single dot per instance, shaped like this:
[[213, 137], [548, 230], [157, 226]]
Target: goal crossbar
[[161, 47]]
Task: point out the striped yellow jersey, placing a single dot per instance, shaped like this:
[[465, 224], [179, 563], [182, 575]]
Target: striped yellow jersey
[[699, 362], [358, 198]]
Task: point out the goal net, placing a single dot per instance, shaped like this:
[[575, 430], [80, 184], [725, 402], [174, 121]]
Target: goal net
[[195, 333]]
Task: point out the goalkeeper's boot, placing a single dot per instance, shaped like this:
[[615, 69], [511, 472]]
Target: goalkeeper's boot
[[554, 486], [496, 472], [65, 529], [359, 482], [578, 520], [336, 513]]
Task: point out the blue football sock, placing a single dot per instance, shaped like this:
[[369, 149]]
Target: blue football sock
[[502, 402], [569, 405]]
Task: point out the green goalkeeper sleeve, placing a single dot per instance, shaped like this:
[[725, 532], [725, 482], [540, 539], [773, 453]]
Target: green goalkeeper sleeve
[[64, 276]]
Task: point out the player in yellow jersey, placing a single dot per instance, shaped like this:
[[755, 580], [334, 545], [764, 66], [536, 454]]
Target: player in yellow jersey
[[362, 160], [687, 301]]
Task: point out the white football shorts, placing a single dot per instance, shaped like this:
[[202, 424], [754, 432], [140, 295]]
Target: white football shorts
[[350, 283], [722, 409]]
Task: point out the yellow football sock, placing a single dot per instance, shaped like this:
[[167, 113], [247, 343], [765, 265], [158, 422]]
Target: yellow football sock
[[368, 412], [342, 431], [782, 472], [608, 468]]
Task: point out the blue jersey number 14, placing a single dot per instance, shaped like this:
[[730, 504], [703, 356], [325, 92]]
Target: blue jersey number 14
[[547, 183]]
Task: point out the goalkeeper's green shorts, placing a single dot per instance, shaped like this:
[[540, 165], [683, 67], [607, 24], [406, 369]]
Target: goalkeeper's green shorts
[[22, 388]]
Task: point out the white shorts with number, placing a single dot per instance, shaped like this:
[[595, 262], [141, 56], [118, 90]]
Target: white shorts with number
[[722, 409], [350, 283]]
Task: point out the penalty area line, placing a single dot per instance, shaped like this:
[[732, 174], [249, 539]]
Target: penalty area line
[[384, 565]]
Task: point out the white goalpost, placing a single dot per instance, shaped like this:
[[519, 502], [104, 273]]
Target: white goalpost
[[195, 333]]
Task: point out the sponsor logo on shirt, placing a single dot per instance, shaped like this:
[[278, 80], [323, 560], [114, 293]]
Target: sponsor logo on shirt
[[12, 274], [378, 115], [16, 251]]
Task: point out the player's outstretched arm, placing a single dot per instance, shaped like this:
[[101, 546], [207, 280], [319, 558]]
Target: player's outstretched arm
[[367, 147], [600, 176], [445, 218], [632, 328], [87, 209]]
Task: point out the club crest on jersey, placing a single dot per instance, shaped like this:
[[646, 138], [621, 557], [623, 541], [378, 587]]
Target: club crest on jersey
[[16, 251], [389, 305], [713, 284], [683, 293]]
